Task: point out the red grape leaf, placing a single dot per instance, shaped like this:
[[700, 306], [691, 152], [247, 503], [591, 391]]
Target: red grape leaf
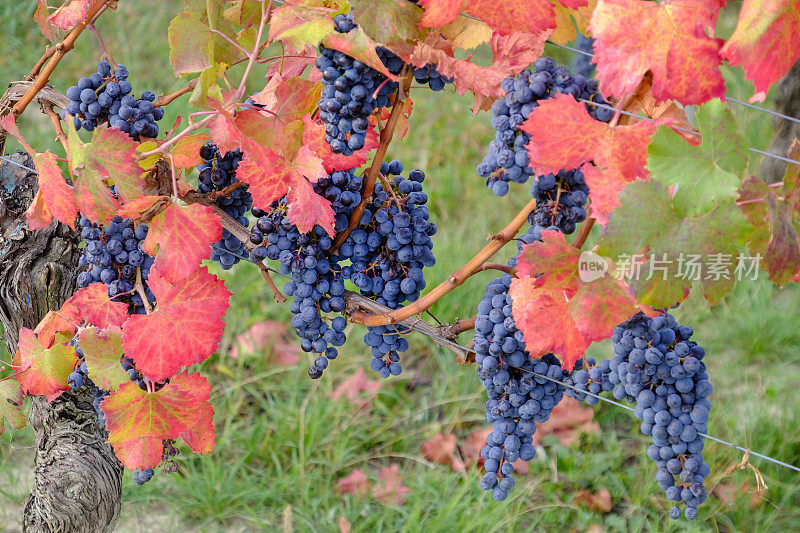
[[70, 13], [186, 152], [670, 243], [355, 483], [773, 214], [42, 371], [566, 30], [765, 41], [358, 45], [42, 18], [138, 421], [466, 33], [555, 309], [307, 208], [528, 16], [288, 99], [55, 198], [111, 157], [185, 326], [441, 448], [200, 436], [37, 214], [292, 67], [182, 237], [670, 39], [301, 27], [11, 404], [440, 12], [389, 488], [512, 54], [143, 205], [102, 351], [314, 138], [65, 320], [358, 389], [97, 308], [619, 153]]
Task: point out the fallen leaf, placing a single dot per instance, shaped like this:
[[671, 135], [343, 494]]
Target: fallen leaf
[[353, 387], [389, 488], [598, 502], [269, 338], [567, 422], [356, 483]]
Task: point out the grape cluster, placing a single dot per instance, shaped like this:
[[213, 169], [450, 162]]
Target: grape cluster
[[106, 96], [216, 173], [657, 367], [507, 159], [387, 252], [351, 91], [317, 285], [560, 200], [589, 376], [113, 254], [519, 394]]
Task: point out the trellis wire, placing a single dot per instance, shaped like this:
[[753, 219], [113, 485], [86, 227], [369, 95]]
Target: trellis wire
[[755, 150], [612, 402], [734, 100]]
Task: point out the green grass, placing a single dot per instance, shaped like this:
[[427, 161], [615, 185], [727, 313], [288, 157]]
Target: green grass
[[282, 443]]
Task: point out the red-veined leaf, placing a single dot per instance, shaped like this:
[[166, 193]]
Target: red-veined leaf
[[11, 404], [182, 237], [183, 329], [186, 152], [102, 351], [70, 13], [42, 371], [97, 308]]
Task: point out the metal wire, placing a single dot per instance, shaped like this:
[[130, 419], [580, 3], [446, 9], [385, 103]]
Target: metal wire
[[612, 402], [7, 160]]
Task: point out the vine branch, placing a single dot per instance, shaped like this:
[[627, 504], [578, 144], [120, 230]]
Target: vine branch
[[497, 241], [97, 7], [372, 173], [586, 228]]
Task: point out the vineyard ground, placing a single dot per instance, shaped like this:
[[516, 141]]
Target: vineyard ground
[[282, 444]]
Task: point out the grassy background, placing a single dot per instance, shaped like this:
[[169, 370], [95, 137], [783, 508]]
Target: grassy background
[[282, 443]]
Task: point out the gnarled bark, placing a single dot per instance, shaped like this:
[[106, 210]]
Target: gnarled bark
[[77, 477], [787, 103]]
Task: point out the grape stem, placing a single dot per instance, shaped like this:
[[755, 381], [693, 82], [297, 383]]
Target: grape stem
[[213, 195], [497, 241], [60, 50], [372, 173], [251, 57], [497, 266], [139, 288], [586, 228], [56, 121], [104, 53], [279, 297]]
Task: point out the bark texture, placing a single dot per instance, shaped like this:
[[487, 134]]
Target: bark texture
[[78, 479], [787, 103]]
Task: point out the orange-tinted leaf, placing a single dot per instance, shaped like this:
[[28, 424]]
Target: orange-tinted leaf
[[765, 41], [566, 30], [355, 483], [568, 420], [388, 22], [358, 45], [42, 18], [186, 152], [557, 311], [597, 502], [102, 351], [670, 39], [619, 153], [441, 448], [182, 237], [314, 138], [440, 12], [512, 54], [70, 13], [65, 320], [185, 326], [138, 421], [10, 404], [200, 436], [773, 213], [97, 308], [291, 67], [112, 157], [54, 198], [529, 16], [288, 99], [358, 389], [143, 205], [43, 371], [389, 488]]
